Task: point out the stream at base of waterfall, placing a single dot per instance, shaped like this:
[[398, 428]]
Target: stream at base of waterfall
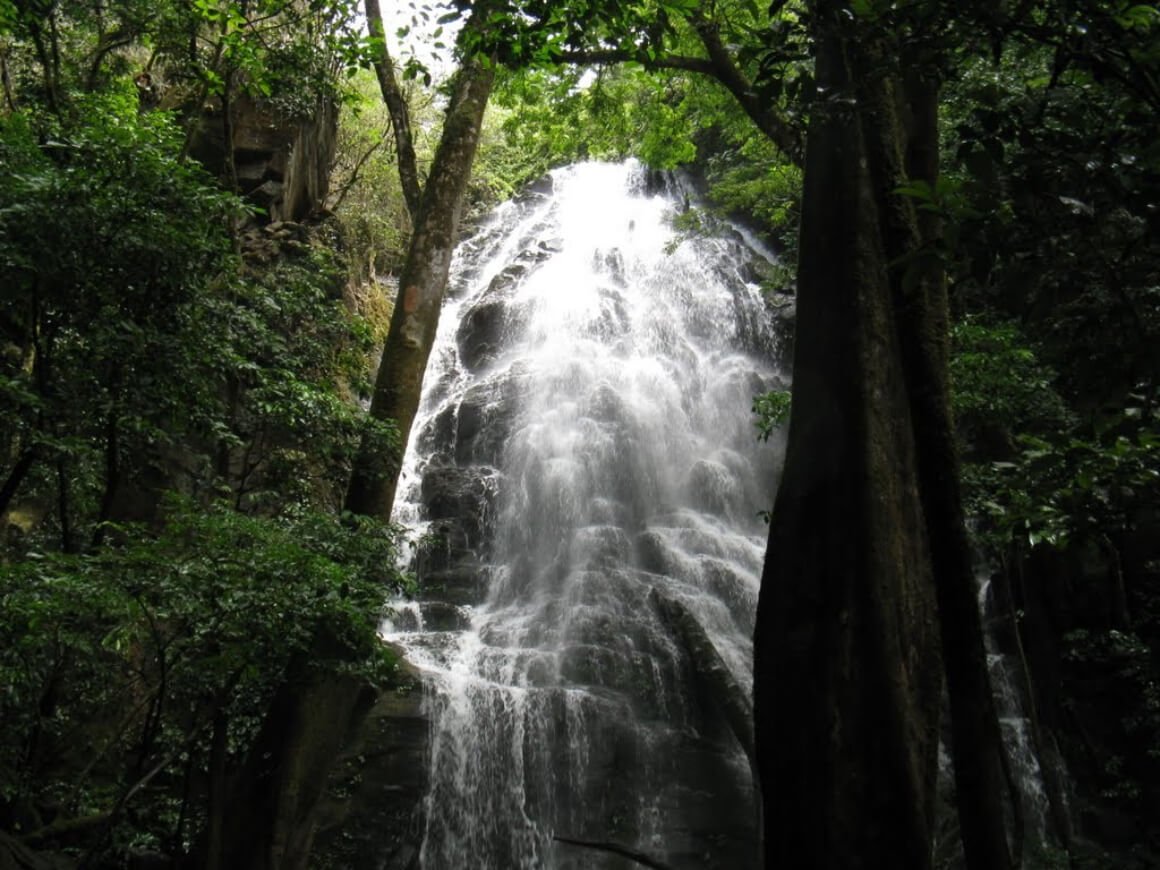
[[585, 456]]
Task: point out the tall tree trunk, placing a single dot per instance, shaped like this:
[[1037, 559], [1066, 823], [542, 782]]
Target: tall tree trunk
[[868, 523], [847, 676], [903, 116], [64, 506], [421, 287], [218, 753], [113, 472]]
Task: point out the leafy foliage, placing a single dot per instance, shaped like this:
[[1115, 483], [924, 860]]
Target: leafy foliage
[[772, 410], [151, 339], [1054, 176], [108, 242], [119, 663], [1035, 472], [365, 191], [142, 270], [667, 119]]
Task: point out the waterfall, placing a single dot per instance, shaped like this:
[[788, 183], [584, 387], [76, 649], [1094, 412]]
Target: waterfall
[[1040, 821], [583, 467]]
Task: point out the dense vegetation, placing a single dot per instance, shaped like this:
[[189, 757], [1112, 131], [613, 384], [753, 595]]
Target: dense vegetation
[[178, 420], [180, 377]]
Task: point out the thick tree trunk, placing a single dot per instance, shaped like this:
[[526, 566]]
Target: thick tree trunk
[[868, 523], [903, 137], [847, 675], [421, 288]]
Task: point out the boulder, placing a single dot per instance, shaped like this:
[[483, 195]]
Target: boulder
[[480, 333]]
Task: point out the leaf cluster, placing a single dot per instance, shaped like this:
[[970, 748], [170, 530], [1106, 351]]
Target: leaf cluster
[[1035, 472], [772, 410]]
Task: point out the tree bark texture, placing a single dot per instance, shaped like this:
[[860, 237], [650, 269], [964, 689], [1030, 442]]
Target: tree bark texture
[[421, 288], [847, 672]]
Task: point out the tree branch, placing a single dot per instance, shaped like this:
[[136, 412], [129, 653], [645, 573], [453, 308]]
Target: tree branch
[[718, 65], [397, 108], [661, 61], [354, 173], [779, 131]]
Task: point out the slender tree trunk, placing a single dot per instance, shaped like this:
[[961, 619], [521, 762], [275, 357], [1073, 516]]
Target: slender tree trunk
[[231, 166], [6, 82], [68, 542], [421, 287], [112, 462], [48, 63], [1052, 786], [217, 793], [268, 824], [847, 677], [397, 108]]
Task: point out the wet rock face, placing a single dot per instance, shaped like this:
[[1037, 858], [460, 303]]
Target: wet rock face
[[371, 814], [481, 333], [464, 496]]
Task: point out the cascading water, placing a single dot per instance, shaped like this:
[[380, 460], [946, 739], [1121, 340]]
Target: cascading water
[[1032, 756], [586, 472]]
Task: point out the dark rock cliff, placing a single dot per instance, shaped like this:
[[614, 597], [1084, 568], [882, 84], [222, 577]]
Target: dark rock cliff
[[282, 163]]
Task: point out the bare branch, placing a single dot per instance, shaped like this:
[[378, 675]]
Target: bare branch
[[355, 172]]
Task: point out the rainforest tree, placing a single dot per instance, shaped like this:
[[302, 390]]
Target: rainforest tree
[[435, 215]]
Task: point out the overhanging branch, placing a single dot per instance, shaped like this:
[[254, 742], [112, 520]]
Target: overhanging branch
[[768, 120], [718, 65]]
